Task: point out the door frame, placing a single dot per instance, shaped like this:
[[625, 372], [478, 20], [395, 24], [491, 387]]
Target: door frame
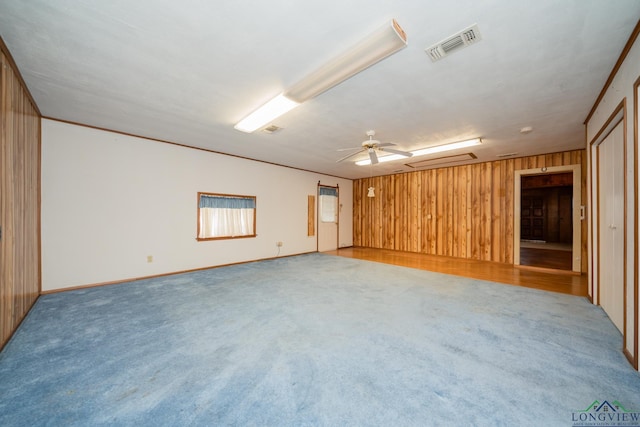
[[576, 214], [629, 340], [318, 217]]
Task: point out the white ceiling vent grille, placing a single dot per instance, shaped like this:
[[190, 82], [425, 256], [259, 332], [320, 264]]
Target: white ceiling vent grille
[[464, 38], [502, 156], [271, 129]]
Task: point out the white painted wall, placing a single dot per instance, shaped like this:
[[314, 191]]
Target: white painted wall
[[621, 88], [110, 200]]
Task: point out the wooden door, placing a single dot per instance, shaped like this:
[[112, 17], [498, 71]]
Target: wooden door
[[532, 221], [565, 215]]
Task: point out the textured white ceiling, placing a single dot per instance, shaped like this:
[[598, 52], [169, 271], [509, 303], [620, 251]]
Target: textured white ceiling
[[187, 71]]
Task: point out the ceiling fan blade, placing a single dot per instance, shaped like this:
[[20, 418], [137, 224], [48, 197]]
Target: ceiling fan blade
[[349, 149], [402, 153], [385, 144], [373, 156], [349, 155]]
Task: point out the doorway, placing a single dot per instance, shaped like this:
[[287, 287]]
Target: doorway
[[547, 215], [328, 217], [546, 227]]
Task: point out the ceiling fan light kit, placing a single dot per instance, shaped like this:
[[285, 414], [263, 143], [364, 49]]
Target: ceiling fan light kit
[[378, 45], [371, 146]]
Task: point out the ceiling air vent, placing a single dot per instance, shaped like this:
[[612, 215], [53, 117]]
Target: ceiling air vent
[[462, 39], [271, 129]]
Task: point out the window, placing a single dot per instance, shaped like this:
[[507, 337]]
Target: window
[[328, 204], [226, 216]]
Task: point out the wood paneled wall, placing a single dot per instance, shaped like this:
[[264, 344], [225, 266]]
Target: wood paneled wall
[[460, 211], [19, 199]]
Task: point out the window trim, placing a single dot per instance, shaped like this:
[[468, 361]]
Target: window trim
[[237, 196]]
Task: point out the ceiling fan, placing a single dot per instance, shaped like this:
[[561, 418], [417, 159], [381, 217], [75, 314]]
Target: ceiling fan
[[371, 146]]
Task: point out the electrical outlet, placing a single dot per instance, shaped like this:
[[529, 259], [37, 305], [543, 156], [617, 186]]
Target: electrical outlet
[[279, 244], [149, 258]]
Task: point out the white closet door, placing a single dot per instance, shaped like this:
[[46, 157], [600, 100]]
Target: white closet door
[[611, 225]]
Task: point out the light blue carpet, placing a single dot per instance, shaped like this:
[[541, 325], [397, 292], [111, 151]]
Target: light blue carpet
[[311, 340]]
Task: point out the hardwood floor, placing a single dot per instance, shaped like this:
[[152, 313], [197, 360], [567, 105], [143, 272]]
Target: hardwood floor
[[548, 280], [547, 258]]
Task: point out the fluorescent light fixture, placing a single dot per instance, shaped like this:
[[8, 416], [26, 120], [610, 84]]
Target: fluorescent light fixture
[[380, 44], [372, 49], [447, 147], [381, 159], [265, 114], [425, 151]]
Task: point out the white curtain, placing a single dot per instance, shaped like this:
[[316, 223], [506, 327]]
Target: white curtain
[[328, 208], [221, 222]]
